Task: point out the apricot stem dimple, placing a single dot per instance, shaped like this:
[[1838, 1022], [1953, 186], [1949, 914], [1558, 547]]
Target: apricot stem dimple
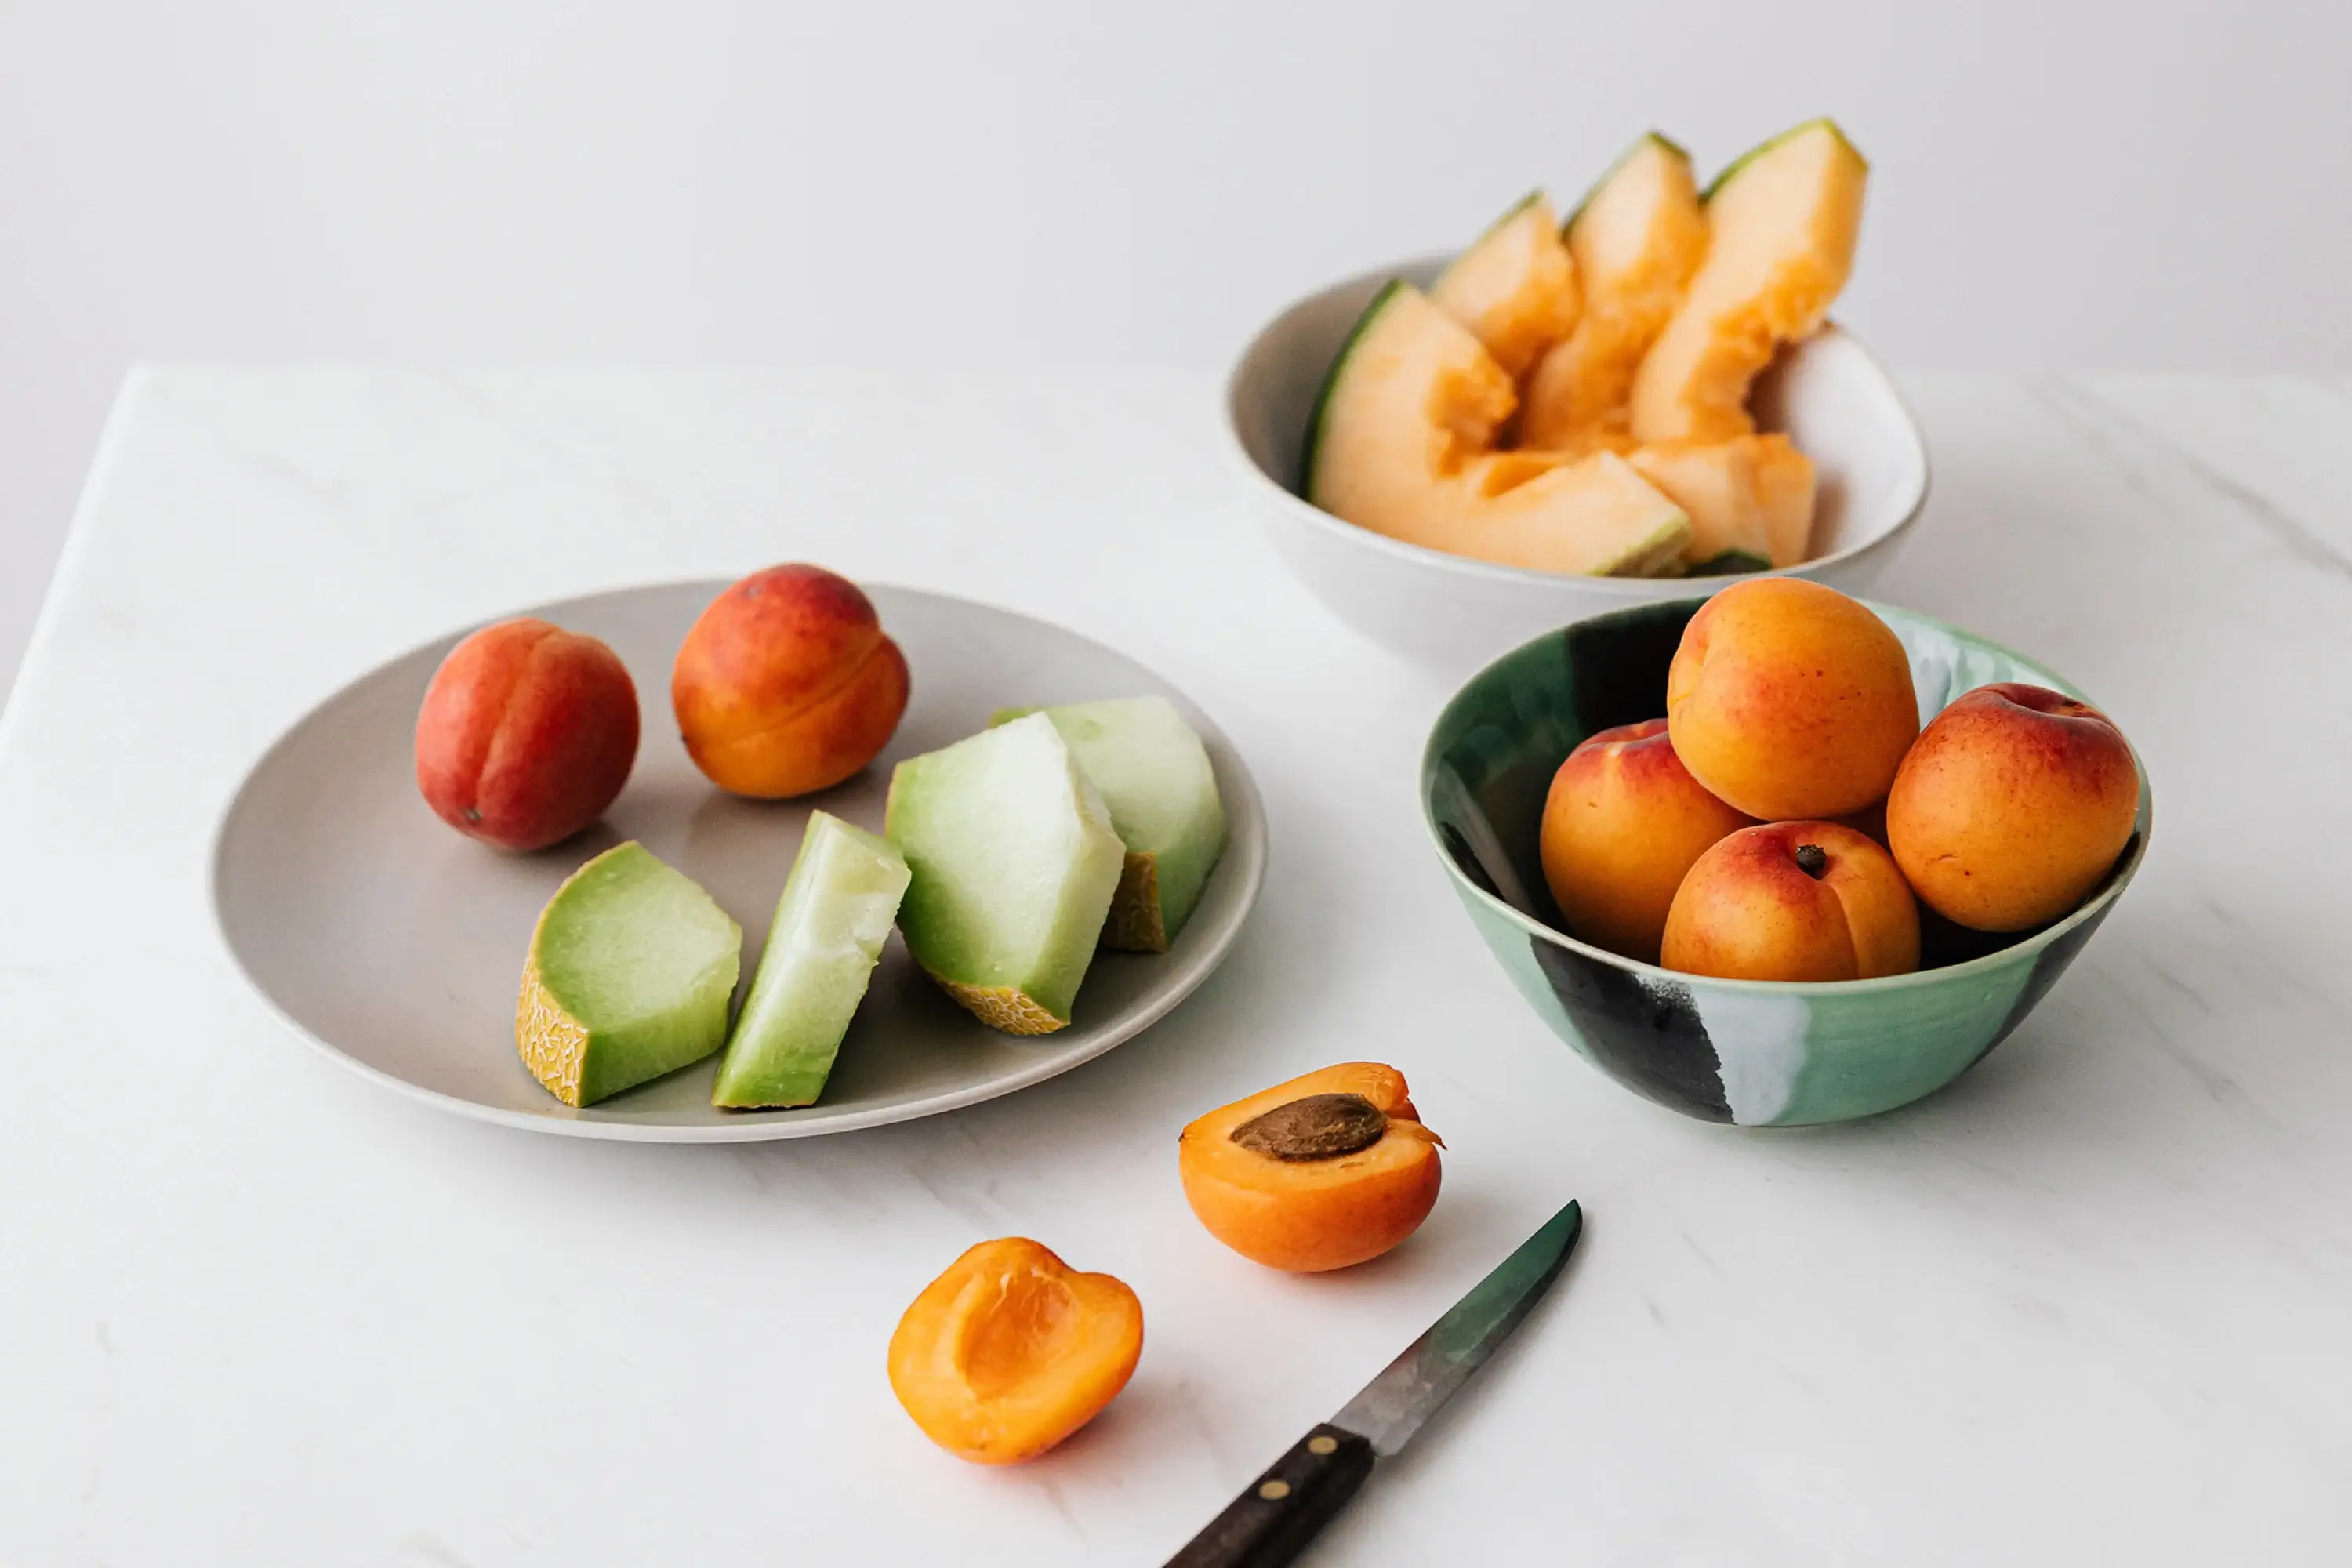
[[1812, 860], [1318, 1127]]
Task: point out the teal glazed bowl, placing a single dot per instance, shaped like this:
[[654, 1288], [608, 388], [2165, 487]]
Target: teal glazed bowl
[[1755, 1053]]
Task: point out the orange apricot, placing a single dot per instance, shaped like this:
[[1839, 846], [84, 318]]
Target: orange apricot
[[2013, 804], [1793, 901], [1012, 1349], [1788, 699], [1328, 1170], [1622, 825]]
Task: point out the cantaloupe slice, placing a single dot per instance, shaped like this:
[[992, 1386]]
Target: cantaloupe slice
[[1781, 226], [1634, 241], [1514, 288], [831, 922], [631, 969], [1154, 775], [1013, 864], [1751, 496], [1402, 443]]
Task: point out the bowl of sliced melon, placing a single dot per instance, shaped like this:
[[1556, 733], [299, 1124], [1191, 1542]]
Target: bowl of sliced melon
[[1458, 452]]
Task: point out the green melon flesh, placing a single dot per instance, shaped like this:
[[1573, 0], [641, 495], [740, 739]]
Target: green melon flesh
[[1635, 241], [1782, 222], [1155, 777], [1514, 288], [630, 971], [1013, 864], [1402, 439], [831, 922]]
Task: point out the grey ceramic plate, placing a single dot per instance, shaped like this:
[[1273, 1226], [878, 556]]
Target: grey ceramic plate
[[394, 944]]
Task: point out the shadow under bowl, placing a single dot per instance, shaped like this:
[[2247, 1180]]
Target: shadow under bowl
[[1755, 1053]]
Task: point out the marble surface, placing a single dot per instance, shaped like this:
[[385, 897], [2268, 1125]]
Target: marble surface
[[2090, 1304]]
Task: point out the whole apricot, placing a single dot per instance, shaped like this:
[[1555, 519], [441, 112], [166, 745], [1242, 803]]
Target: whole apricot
[[787, 684], [1328, 1170], [2013, 804], [1622, 823], [1788, 699], [1793, 901], [1012, 1349], [526, 734]]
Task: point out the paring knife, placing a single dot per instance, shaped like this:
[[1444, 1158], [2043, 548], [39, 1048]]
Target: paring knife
[[1271, 1524]]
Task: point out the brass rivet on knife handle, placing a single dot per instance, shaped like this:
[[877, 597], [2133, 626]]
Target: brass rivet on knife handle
[[1323, 1445], [1275, 1491]]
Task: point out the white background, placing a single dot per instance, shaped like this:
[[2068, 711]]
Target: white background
[[2058, 182]]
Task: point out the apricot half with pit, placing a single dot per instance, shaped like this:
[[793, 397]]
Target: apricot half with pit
[[1328, 1170], [1012, 1349]]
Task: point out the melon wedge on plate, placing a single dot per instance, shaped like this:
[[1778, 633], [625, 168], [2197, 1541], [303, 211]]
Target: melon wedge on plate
[[1012, 864], [1781, 226], [1634, 241], [1401, 440], [630, 971], [1516, 288], [1751, 496], [1155, 777], [831, 922]]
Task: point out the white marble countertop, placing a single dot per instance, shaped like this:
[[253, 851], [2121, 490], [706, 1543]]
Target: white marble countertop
[[2094, 1303]]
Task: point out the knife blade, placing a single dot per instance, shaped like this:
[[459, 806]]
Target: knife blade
[[1272, 1521]]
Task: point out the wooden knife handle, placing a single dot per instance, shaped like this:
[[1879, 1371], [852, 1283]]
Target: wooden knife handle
[[1271, 1524]]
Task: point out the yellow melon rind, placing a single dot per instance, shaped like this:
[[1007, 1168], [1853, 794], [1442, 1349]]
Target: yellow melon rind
[[553, 1044]]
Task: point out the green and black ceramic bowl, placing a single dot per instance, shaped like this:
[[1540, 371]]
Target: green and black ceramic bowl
[[1758, 1053]]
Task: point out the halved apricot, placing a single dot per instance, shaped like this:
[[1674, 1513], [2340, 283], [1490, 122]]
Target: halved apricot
[[1012, 1349], [1327, 1170]]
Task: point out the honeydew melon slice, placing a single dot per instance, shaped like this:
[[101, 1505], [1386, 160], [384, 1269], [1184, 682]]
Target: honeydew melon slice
[[1514, 288], [630, 971], [1402, 443], [1155, 777], [1782, 222], [1014, 863], [1634, 242], [1750, 498], [831, 922]]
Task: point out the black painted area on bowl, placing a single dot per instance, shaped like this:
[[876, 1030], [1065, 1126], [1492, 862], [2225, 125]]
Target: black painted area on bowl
[[1650, 1039]]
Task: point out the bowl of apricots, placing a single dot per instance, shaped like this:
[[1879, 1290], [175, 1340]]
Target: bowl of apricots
[[1781, 856]]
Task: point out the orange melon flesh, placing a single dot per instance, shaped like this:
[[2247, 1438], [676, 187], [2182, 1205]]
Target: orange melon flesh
[[1516, 288], [1753, 494], [1402, 444], [1781, 227], [1634, 243]]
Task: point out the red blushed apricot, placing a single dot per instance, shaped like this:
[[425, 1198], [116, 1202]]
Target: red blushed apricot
[[787, 685], [527, 734], [2013, 804], [1788, 699], [1623, 825], [1012, 1349], [1328, 1170], [1793, 901]]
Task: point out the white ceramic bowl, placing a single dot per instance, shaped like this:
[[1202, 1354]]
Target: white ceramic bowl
[[1828, 394]]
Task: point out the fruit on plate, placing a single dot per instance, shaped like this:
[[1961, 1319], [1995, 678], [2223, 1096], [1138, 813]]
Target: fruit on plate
[[1788, 699], [1514, 288], [1623, 823], [630, 971], [527, 734], [1782, 225], [1326, 1171], [1012, 1349], [1793, 901], [1402, 443], [1013, 864], [831, 922], [2012, 806], [787, 684], [1751, 496], [1155, 778], [1635, 241]]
